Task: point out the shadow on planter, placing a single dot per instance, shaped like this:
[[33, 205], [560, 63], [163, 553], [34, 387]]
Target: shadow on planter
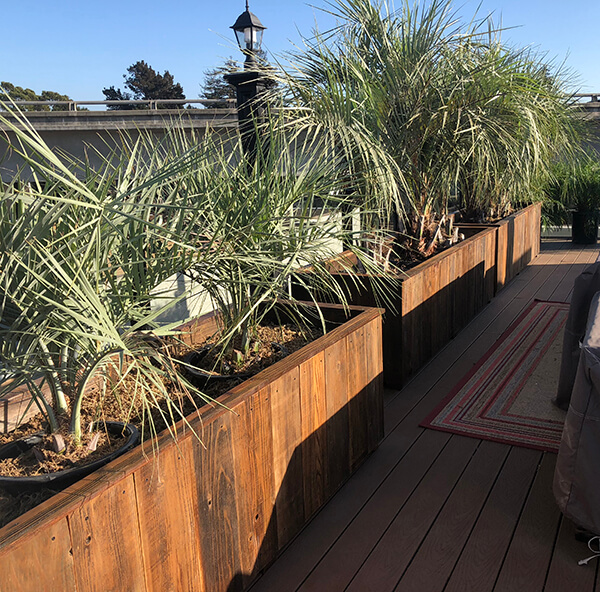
[[316, 470], [435, 301], [212, 516]]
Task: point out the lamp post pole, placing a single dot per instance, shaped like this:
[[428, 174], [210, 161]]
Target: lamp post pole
[[249, 83]]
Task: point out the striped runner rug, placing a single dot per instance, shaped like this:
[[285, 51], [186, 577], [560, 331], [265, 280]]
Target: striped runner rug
[[507, 395]]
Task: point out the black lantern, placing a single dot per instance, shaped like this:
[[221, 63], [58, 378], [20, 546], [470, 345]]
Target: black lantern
[[248, 31]]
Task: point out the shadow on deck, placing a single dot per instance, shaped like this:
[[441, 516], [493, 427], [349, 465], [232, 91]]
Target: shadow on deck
[[431, 511]]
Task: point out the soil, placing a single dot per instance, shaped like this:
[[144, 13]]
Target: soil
[[271, 344]]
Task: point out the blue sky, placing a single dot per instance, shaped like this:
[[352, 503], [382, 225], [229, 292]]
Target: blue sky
[[79, 48]]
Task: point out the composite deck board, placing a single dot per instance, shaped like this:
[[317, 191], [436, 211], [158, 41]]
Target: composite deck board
[[432, 565], [398, 523], [341, 562], [386, 563], [528, 559]]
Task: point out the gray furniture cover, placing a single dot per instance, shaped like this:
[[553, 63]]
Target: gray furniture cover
[[577, 473], [586, 285]]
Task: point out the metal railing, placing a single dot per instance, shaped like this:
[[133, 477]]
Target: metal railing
[[151, 103], [594, 97]]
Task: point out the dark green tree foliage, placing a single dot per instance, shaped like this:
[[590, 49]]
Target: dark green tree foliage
[[144, 83], [216, 87], [18, 93]]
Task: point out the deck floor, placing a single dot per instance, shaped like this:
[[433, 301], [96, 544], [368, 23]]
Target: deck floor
[[432, 511]]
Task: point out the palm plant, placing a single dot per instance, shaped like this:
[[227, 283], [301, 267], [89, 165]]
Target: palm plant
[[83, 250], [80, 257], [574, 185], [427, 110], [266, 216]]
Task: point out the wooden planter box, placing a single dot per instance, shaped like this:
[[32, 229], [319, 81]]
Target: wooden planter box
[[437, 298], [211, 517], [518, 241]]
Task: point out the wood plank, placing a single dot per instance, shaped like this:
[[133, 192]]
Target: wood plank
[[482, 556], [287, 456], [412, 339], [42, 563], [313, 405], [107, 548], [167, 502], [253, 461], [385, 565], [375, 387], [580, 263], [337, 431], [432, 565], [565, 573], [220, 547], [357, 373], [528, 557]]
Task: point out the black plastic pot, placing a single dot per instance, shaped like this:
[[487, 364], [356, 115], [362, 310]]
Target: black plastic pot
[[585, 227], [61, 479]]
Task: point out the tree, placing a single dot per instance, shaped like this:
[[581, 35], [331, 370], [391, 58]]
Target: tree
[[18, 93], [145, 84], [216, 87]]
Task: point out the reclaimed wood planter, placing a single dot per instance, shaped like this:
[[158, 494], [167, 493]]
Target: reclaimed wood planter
[[211, 517], [518, 241], [436, 299]]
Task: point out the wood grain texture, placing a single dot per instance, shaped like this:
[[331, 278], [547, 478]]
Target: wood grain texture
[[482, 556], [313, 404], [528, 557], [432, 565], [42, 563], [167, 500], [217, 507], [348, 551], [253, 458], [338, 427], [375, 384], [357, 375], [107, 549], [386, 563], [287, 455]]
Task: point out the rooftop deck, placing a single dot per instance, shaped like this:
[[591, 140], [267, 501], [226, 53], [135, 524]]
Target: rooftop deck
[[431, 511]]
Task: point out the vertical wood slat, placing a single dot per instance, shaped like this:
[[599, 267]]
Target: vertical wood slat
[[217, 507], [43, 563], [287, 456], [357, 396], [375, 383], [338, 427], [253, 457], [168, 501], [313, 404], [106, 541]]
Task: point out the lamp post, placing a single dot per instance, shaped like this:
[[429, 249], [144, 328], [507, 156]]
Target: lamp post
[[249, 83]]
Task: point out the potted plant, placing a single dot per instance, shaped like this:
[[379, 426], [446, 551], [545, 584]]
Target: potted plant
[[230, 485], [82, 257], [432, 115], [81, 252], [573, 195]]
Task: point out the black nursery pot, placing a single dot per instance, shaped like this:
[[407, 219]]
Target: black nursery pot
[[585, 227], [61, 479]]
